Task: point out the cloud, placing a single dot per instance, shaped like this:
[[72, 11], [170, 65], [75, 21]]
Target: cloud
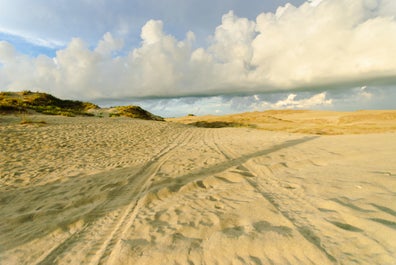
[[291, 103], [329, 42], [320, 44], [55, 23], [346, 100], [363, 94], [108, 45], [233, 104]]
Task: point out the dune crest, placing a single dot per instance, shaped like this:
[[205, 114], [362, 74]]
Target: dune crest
[[302, 121]]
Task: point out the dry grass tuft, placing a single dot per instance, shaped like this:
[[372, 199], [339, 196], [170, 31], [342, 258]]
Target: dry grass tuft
[[27, 101]]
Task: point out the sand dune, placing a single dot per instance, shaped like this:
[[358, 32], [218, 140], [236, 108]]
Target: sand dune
[[124, 191], [303, 121]]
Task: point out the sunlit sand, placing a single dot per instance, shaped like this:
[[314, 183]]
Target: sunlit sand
[[124, 191]]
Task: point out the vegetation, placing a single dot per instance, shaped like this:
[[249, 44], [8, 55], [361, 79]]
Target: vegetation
[[218, 124], [135, 112], [26, 121], [27, 101]]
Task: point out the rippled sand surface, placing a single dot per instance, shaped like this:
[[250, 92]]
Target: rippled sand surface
[[124, 191]]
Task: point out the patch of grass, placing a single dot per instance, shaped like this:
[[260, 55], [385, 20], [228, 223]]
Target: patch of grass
[[135, 112], [26, 121], [219, 124], [32, 122], [11, 102], [114, 114]]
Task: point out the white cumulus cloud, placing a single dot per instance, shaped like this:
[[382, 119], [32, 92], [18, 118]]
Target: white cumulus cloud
[[292, 103], [327, 43]]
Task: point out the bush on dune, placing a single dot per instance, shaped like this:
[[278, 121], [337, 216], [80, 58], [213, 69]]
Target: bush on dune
[[26, 101], [135, 112]]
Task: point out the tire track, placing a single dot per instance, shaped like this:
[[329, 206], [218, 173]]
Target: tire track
[[275, 193], [210, 141], [130, 214], [231, 161], [108, 233]]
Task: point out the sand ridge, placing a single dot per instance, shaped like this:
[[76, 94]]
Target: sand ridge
[[122, 191], [303, 121]]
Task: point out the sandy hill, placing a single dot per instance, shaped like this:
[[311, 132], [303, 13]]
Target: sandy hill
[[31, 102], [302, 121], [44, 103], [135, 112]]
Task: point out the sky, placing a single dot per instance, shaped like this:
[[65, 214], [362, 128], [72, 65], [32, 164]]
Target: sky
[[175, 57]]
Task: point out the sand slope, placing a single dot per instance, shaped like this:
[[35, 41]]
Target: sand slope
[[303, 121], [122, 191]]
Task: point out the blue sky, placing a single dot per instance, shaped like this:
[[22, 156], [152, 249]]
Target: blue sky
[[52, 24], [220, 56]]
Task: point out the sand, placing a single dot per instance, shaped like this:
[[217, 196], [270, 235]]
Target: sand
[[303, 121], [123, 191]]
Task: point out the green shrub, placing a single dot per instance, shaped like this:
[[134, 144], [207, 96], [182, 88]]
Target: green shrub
[[42, 103]]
